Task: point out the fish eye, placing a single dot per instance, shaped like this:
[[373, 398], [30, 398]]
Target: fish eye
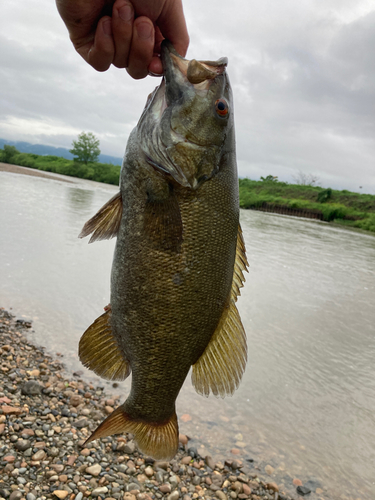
[[221, 107]]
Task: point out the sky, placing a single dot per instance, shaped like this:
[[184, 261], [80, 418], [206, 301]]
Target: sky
[[302, 74]]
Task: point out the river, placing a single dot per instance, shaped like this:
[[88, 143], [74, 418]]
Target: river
[[306, 405]]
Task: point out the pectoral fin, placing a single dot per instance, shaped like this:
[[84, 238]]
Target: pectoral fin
[[221, 366], [158, 440], [99, 351], [106, 222]]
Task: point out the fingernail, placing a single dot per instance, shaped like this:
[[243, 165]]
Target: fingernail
[[107, 27], [126, 13], [144, 30]]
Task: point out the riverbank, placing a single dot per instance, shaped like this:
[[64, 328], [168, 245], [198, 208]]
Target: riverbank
[[47, 414], [313, 202]]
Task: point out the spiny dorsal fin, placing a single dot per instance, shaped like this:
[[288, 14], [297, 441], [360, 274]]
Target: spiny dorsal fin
[[158, 440], [99, 351], [221, 366], [106, 222]]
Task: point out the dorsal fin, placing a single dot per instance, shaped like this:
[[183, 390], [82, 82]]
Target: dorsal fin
[[99, 351], [221, 366], [106, 222]]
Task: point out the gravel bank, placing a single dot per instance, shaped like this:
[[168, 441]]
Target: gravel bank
[[45, 417], [16, 169]]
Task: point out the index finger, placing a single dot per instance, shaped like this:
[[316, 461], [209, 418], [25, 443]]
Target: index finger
[[172, 25]]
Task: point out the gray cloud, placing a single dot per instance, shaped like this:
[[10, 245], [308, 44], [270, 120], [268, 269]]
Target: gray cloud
[[303, 76]]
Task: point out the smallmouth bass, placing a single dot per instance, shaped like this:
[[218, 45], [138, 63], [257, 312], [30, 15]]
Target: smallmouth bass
[[179, 258]]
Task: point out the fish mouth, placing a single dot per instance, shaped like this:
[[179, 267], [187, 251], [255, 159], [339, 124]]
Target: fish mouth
[[198, 73]]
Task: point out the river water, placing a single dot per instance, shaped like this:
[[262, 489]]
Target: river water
[[306, 405]]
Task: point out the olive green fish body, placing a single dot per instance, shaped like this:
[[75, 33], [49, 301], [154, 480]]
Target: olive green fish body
[[179, 257]]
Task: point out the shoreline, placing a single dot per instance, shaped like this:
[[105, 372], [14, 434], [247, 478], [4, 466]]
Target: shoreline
[[46, 414]]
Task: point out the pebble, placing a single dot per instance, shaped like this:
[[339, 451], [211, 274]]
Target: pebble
[[269, 470], [94, 470], [61, 494], [174, 495], [46, 422], [31, 388], [102, 490], [303, 490]]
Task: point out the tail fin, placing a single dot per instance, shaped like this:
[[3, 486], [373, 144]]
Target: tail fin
[[158, 440]]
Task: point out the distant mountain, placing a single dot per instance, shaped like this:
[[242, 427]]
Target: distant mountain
[[42, 149]]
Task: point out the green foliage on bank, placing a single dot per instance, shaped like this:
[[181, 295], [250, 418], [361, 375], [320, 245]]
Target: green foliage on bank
[[343, 207], [100, 172]]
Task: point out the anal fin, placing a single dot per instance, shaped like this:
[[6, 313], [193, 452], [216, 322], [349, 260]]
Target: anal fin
[[99, 351], [158, 440], [106, 222], [221, 366]]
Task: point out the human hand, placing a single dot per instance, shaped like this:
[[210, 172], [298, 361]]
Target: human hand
[[123, 33]]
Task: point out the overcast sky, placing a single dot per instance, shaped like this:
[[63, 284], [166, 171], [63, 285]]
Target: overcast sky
[[302, 73]]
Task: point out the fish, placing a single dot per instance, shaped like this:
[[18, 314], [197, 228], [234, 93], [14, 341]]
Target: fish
[[179, 259]]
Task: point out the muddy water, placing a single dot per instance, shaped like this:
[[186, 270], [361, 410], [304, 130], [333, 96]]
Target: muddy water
[[306, 405]]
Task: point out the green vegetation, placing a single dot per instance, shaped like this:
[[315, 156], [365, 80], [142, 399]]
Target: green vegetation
[[86, 148], [100, 172], [343, 207]]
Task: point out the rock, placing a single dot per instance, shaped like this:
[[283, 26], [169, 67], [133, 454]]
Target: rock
[[221, 495], [319, 491], [174, 495], [82, 422], [272, 486], [269, 470], [61, 494], [16, 495], [186, 460], [183, 439], [185, 417], [165, 488], [94, 470], [149, 471], [102, 490], [109, 410], [129, 447], [75, 400], [22, 445], [30, 496], [11, 410], [2, 428], [297, 482], [129, 496], [71, 459], [236, 464], [57, 467], [39, 455], [235, 451], [193, 452], [246, 489], [4, 493], [31, 388], [210, 462], [303, 490]]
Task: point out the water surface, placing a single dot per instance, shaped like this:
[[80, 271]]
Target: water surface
[[307, 402]]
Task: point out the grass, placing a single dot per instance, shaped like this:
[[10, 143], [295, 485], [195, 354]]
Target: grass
[[343, 207], [100, 172]]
